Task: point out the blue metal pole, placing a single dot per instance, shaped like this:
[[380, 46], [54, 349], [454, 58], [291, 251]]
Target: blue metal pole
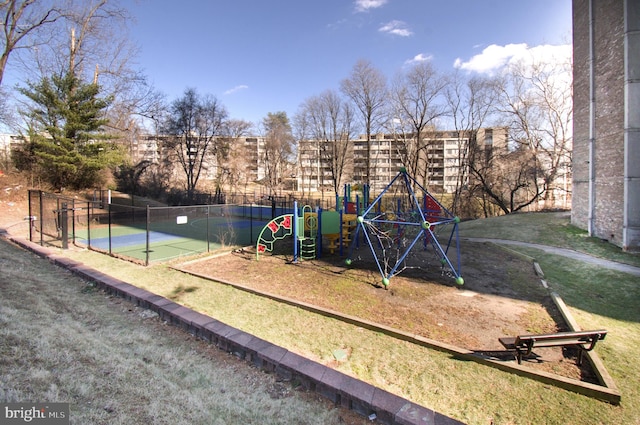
[[295, 231]]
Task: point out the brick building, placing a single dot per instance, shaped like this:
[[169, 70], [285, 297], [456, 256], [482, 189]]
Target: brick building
[[606, 123]]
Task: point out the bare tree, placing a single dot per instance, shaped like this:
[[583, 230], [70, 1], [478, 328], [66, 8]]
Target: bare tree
[[509, 181], [194, 122], [367, 88], [330, 122], [88, 39], [301, 133], [470, 103], [233, 153], [100, 50], [25, 26], [277, 155], [535, 101], [418, 102]]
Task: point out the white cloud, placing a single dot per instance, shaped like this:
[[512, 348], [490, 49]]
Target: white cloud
[[337, 24], [396, 28], [365, 5], [494, 57], [236, 88], [420, 57]]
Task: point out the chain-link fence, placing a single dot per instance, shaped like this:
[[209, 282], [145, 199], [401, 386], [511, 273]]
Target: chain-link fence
[[57, 219], [145, 234]]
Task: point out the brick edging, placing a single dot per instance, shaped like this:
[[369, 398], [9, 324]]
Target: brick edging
[[344, 390]]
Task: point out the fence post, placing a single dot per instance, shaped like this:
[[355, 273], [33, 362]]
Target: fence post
[[30, 219], [64, 224], [250, 223], [89, 211], [109, 221], [147, 250], [208, 216], [41, 217], [295, 231], [73, 221]]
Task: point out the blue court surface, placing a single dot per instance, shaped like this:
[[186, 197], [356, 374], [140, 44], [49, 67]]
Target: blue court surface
[[132, 240]]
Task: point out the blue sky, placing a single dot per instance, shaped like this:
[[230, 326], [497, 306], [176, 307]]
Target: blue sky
[[260, 56]]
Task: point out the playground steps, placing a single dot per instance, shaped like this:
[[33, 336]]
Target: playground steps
[[308, 248]]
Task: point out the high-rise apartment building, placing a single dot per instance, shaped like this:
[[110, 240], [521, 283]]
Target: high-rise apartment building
[[244, 156], [442, 153], [606, 120]]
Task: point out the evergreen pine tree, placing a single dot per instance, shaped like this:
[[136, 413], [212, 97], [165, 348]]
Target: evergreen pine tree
[[66, 132]]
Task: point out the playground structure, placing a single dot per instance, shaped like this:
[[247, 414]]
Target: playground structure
[[309, 229], [394, 223], [391, 227], [312, 228]]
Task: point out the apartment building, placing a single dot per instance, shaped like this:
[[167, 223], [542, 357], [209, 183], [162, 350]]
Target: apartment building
[[252, 151], [243, 161], [146, 148], [442, 153]]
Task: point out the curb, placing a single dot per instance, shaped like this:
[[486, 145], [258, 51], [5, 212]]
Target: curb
[[345, 391]]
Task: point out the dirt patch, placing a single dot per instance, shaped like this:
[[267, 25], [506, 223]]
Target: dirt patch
[[502, 296], [423, 302], [13, 201]]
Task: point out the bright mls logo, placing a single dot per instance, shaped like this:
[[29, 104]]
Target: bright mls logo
[[34, 413]]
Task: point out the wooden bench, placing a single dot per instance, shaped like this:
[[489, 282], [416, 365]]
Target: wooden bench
[[524, 344]]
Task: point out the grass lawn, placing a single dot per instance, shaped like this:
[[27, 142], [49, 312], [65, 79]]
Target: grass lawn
[[467, 391], [553, 229], [63, 341]]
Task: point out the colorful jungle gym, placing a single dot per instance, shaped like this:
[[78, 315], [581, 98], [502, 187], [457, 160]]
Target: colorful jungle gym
[[393, 223], [403, 220], [308, 231]]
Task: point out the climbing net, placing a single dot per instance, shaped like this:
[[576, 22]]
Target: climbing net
[[399, 222]]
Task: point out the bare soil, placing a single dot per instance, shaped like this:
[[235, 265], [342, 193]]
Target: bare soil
[[501, 296]]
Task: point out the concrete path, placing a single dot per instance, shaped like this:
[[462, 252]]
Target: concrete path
[[569, 253]]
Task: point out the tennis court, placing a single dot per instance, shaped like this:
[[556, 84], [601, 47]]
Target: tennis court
[[171, 236], [165, 233], [146, 234]]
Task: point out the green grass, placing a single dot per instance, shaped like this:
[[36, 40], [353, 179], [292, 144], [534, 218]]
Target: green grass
[[61, 340], [553, 229], [467, 391]]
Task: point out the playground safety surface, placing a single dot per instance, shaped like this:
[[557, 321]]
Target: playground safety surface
[[502, 296]]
